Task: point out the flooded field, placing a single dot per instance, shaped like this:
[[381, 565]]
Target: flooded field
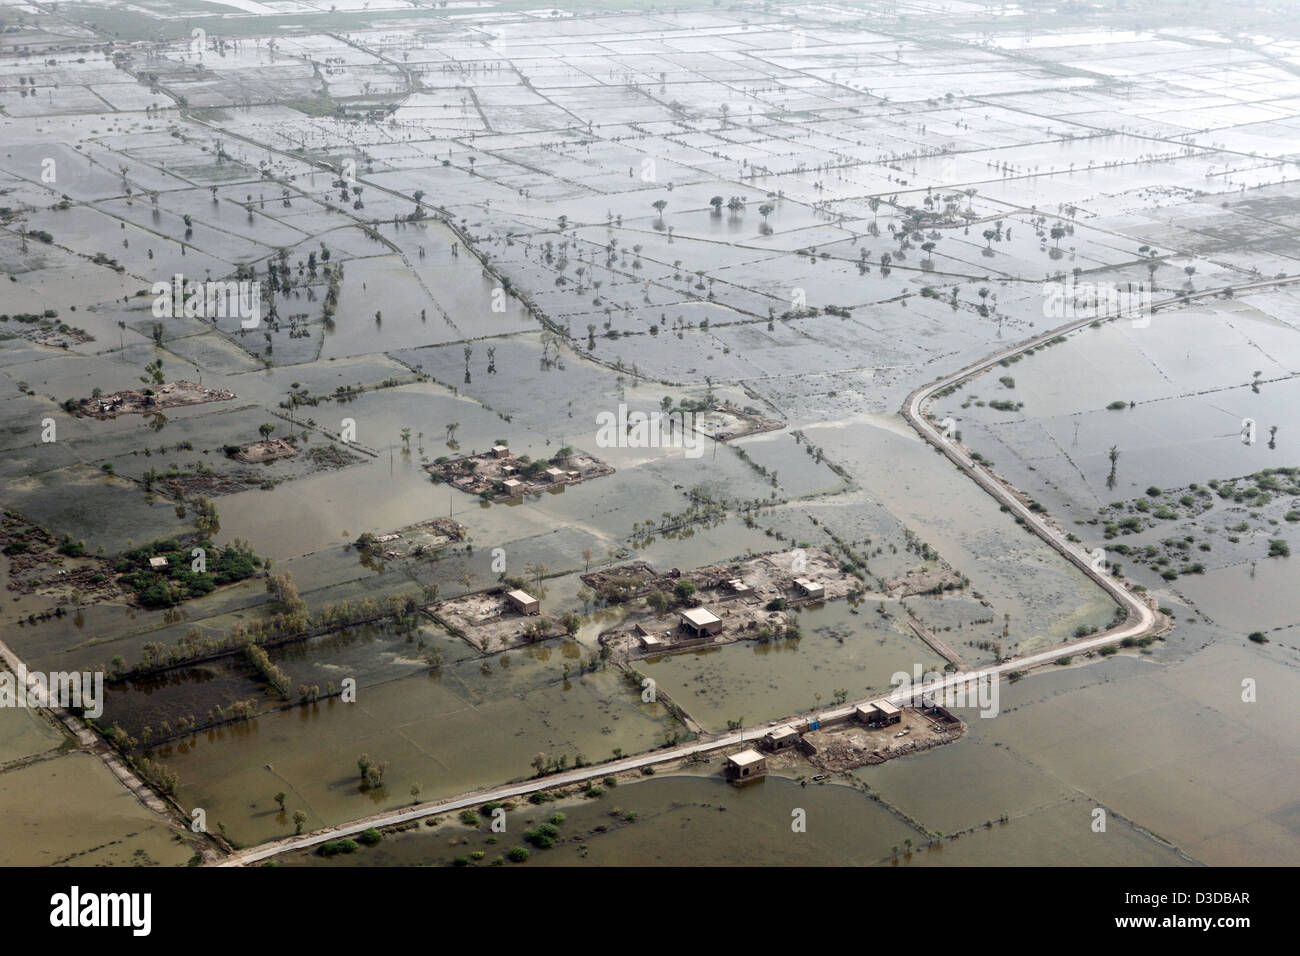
[[743, 235]]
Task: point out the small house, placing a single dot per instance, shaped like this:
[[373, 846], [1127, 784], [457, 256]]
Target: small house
[[736, 588], [701, 621], [523, 602], [513, 486], [781, 737], [500, 451], [555, 475], [809, 588], [889, 713], [158, 563], [746, 765]]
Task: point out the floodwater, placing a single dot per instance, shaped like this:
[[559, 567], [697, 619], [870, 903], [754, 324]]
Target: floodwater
[[788, 308]]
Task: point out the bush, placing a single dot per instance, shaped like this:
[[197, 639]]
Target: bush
[[370, 837], [539, 839], [335, 847], [1258, 637], [517, 854]]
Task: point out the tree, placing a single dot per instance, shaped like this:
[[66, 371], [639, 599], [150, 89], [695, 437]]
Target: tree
[[765, 210], [299, 818], [279, 798], [586, 557], [716, 202], [265, 430], [1113, 455], [660, 205]]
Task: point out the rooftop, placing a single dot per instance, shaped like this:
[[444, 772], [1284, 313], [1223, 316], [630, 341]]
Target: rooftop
[[700, 617], [746, 758]]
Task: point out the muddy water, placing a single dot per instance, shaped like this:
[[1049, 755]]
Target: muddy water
[[753, 682], [71, 810], [680, 820], [1010, 567], [448, 732], [1160, 745]]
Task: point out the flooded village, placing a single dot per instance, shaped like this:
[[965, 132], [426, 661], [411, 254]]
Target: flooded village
[[474, 434]]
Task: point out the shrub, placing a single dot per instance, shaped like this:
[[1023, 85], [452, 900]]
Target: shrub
[[517, 854], [335, 847]]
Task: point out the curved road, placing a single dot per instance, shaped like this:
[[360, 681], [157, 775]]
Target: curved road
[[1140, 621]]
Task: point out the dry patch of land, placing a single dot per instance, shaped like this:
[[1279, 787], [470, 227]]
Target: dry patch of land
[[498, 474], [58, 570], [133, 401], [716, 604], [925, 581], [269, 450], [207, 482], [413, 540], [491, 623], [726, 421], [854, 744]]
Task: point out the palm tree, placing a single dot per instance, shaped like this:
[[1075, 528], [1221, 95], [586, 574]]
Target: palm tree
[[1113, 455]]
